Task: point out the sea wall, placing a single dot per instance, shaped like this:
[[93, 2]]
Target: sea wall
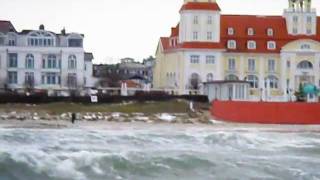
[[266, 112]]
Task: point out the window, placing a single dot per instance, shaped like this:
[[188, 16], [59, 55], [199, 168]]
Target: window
[[52, 62], [251, 65], [253, 81], [29, 79], [41, 38], [271, 65], [2, 39], [209, 35], [50, 78], [250, 31], [195, 20], [12, 77], [231, 64], [72, 62], [75, 42], [288, 64], [295, 31], [194, 59], [230, 31], [305, 65], [272, 82], [295, 19], [305, 46], [232, 77], [232, 44], [29, 61], [209, 77], [72, 80], [309, 31], [11, 42], [209, 19], [271, 45], [195, 35], [210, 59], [309, 19], [13, 60], [270, 32], [251, 45]]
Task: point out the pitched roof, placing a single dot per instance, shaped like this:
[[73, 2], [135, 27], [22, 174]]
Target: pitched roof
[[207, 6], [240, 24], [6, 26]]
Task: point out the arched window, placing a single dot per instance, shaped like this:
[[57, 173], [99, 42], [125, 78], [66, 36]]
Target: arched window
[[273, 82], [41, 38], [29, 61], [305, 65], [253, 80], [195, 81], [209, 77], [72, 62], [231, 77]]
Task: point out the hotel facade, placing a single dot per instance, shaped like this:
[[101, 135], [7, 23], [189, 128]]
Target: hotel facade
[[43, 60], [277, 53]]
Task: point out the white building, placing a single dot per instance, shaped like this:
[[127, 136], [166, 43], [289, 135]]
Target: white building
[[43, 60]]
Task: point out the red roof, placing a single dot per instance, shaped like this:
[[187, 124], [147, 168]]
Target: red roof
[[6, 26], [210, 6], [240, 24]]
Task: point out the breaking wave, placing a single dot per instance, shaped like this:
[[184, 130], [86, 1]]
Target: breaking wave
[[162, 154]]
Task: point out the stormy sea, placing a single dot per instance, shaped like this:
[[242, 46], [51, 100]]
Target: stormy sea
[[158, 154]]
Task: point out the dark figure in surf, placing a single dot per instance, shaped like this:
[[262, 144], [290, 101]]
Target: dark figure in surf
[[73, 118]]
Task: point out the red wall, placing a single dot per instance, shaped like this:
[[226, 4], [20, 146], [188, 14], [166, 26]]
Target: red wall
[[266, 112]]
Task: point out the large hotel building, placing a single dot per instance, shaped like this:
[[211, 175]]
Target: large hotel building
[[43, 60], [278, 52]]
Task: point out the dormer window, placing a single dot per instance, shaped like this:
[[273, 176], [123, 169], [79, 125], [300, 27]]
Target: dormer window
[[75, 40], [41, 38], [271, 45], [270, 32], [230, 31], [250, 31], [232, 44], [251, 45]]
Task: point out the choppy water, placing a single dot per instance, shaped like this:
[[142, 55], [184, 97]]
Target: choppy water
[[157, 154]]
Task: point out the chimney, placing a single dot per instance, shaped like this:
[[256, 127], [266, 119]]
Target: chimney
[[63, 31], [41, 27]]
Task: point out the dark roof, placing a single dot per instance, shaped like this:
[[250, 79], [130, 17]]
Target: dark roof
[[6, 26], [88, 56], [137, 77]]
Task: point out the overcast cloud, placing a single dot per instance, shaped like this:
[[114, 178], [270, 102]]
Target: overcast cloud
[[119, 28]]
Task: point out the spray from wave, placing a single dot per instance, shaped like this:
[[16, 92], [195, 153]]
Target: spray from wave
[[163, 154]]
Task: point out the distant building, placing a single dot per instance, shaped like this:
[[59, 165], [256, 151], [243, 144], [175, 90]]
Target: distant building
[[43, 60], [275, 54], [127, 69]]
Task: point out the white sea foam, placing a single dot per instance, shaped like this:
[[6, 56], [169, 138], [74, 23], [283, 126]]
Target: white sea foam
[[161, 153]]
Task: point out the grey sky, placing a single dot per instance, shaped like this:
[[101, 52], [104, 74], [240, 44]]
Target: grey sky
[[119, 28]]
